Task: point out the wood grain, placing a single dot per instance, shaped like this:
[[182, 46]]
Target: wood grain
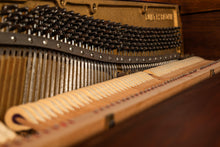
[[190, 118], [192, 6], [201, 34]]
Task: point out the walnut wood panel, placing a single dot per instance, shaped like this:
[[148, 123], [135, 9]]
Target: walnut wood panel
[[192, 6], [201, 34], [190, 118]]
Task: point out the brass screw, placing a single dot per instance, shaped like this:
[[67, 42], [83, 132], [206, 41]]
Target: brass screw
[[93, 8], [178, 50], [144, 10], [62, 2]]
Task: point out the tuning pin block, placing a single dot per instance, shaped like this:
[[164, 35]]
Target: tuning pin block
[[60, 24]]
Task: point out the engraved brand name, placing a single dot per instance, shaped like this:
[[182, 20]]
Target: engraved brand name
[[159, 17]]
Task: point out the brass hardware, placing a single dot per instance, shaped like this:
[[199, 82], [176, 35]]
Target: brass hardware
[[144, 10], [93, 8], [63, 2], [178, 50]]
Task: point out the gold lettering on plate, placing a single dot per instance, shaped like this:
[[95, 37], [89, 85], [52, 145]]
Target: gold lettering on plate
[[159, 17]]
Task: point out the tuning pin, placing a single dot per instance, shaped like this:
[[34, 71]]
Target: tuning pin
[[49, 33], [9, 7], [14, 18], [21, 28], [41, 8], [23, 10], [4, 26], [5, 12], [13, 28]]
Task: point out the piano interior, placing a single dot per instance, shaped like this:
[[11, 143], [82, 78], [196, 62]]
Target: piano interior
[[70, 69]]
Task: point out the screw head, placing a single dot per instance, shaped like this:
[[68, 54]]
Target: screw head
[[81, 52], [30, 39], [45, 42], [62, 2], [70, 48], [13, 38], [58, 45], [144, 10]]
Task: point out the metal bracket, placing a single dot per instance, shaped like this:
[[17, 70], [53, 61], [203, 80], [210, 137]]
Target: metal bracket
[[61, 3], [212, 72], [110, 122], [144, 9], [93, 8]]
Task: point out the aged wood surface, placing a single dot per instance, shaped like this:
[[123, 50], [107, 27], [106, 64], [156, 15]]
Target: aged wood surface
[[202, 34], [191, 118], [192, 6]]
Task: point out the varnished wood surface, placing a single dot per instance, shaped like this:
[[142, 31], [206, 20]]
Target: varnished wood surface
[[201, 34], [190, 118], [191, 6]]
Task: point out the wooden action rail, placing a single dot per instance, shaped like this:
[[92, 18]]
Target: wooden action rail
[[71, 117]]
